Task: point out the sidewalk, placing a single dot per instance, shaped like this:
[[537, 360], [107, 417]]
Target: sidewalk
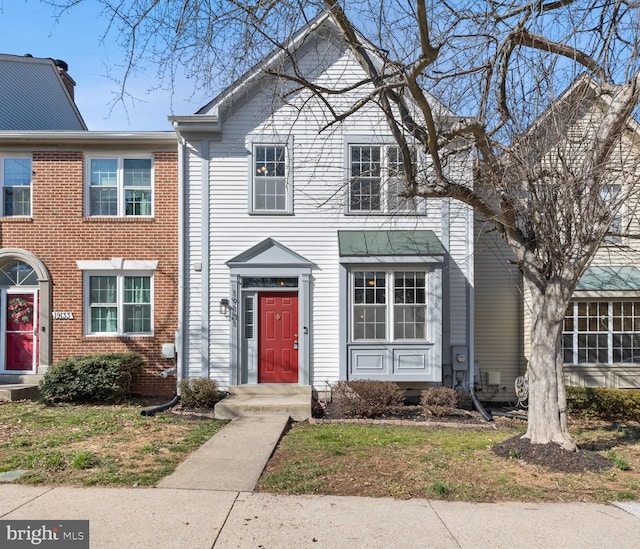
[[191, 511]]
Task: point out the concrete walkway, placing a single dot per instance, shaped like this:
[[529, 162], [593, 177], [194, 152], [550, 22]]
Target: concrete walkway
[[233, 459], [191, 510]]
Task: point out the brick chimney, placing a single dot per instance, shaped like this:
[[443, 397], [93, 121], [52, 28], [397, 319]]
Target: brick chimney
[[69, 82]]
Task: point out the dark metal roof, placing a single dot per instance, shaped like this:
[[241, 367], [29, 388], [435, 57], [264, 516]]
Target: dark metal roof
[[34, 97]]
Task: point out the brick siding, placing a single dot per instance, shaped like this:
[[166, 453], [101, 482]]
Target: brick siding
[[59, 234]]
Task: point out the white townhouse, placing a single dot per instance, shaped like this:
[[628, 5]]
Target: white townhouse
[[301, 262]]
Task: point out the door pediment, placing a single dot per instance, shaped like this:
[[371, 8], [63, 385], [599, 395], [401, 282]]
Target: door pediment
[[269, 253]]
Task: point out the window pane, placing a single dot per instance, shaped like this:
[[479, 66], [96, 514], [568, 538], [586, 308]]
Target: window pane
[[104, 201], [270, 186], [137, 172], [17, 201], [410, 305], [137, 202], [137, 319], [103, 290], [104, 319], [365, 186], [370, 322], [137, 304], [16, 185], [249, 326], [17, 172], [104, 172], [369, 298], [137, 289]]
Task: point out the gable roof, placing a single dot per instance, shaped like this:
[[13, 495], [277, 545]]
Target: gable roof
[[33, 96], [269, 253], [324, 21]]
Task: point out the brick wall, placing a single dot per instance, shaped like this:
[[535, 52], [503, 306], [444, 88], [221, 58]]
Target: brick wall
[[59, 235]]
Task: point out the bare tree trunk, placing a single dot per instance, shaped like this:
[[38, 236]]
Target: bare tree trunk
[[547, 395]]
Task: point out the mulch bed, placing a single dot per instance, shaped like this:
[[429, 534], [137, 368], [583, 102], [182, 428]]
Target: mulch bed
[[552, 456]]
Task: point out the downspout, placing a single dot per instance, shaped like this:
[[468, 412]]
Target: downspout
[[182, 268], [205, 253], [180, 363]]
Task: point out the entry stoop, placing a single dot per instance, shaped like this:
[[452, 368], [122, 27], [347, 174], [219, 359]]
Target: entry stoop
[[266, 399], [19, 387]]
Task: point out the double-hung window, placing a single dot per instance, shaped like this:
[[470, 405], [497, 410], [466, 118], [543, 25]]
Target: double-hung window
[[120, 186], [271, 186], [602, 332], [389, 305], [119, 304], [15, 176], [377, 181]]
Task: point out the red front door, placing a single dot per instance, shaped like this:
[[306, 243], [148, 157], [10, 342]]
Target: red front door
[[19, 324], [278, 337]]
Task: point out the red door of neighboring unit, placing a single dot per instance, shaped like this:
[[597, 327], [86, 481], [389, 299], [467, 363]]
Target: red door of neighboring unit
[[19, 331], [278, 338]]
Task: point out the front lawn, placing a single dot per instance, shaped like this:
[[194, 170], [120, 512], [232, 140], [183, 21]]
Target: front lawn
[[95, 445], [445, 463]]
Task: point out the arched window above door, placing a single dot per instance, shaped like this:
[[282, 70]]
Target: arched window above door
[[18, 273]]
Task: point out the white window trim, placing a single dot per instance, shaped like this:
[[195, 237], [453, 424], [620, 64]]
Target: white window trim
[[120, 268], [376, 141], [270, 140], [120, 184], [390, 304], [2, 185], [610, 332]]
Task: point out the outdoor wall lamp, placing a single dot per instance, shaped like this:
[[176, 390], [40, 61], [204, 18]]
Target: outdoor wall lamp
[[225, 308]]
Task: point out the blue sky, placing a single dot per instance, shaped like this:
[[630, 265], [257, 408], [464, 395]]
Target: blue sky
[[28, 26]]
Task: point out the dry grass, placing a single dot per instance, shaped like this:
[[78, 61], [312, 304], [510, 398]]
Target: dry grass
[[445, 463], [96, 445]]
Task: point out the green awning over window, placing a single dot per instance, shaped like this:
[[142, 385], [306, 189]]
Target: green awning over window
[[610, 279], [379, 243]]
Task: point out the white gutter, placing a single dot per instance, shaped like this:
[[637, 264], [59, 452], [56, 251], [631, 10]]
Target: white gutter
[[84, 138], [180, 345]]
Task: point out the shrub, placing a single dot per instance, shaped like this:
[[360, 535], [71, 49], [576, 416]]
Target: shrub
[[199, 393], [439, 401], [99, 378], [604, 404], [366, 398]]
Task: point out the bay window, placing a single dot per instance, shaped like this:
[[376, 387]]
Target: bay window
[[602, 332], [383, 299]]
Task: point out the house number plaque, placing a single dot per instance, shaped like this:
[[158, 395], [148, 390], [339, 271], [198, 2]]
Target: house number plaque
[[62, 315]]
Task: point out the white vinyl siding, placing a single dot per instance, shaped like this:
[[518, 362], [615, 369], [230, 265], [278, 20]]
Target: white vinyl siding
[[319, 160]]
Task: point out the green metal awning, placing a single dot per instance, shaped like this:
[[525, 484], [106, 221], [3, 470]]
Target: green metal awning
[[385, 243], [610, 279]]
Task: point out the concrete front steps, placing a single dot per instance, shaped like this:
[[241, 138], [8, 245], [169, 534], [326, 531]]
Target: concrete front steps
[[266, 399], [19, 387]]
